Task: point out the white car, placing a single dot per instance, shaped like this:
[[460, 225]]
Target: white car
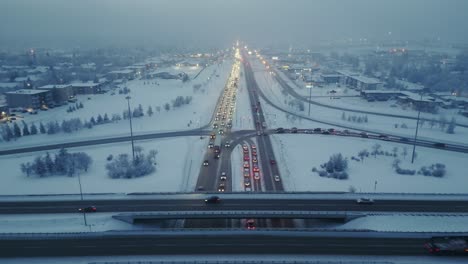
[[277, 178], [365, 201], [256, 175]]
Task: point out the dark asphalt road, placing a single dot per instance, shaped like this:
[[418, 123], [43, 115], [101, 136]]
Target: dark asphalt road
[[247, 242], [26, 207]]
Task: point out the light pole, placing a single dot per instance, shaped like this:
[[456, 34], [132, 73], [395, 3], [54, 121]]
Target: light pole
[[310, 96], [81, 195], [131, 129], [416, 132]]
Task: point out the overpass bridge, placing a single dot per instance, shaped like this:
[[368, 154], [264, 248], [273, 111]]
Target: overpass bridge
[[133, 218]]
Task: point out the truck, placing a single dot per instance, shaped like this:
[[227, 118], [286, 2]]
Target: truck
[[447, 245], [217, 145]]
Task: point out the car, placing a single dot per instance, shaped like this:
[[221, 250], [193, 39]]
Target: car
[[248, 189], [253, 147], [254, 159], [250, 224], [259, 133], [221, 132], [277, 178], [257, 175], [331, 130], [246, 164], [247, 183], [210, 145], [200, 188], [205, 163], [325, 132], [227, 145], [439, 145], [346, 132], [317, 130], [221, 187], [245, 147], [280, 130], [213, 199], [212, 135], [89, 209], [256, 169], [365, 201], [254, 152], [404, 139], [383, 137], [246, 158], [364, 135], [215, 125], [246, 174], [294, 130], [272, 161]]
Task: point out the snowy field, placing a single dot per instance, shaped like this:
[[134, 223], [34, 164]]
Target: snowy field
[[144, 92], [379, 124], [298, 154], [177, 170], [409, 223], [330, 259], [243, 115]]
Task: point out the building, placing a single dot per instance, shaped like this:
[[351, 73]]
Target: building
[[86, 88], [28, 98], [331, 78], [60, 92], [378, 95], [3, 111], [359, 82], [121, 74]]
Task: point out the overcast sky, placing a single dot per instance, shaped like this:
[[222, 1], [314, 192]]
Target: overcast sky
[[218, 22]]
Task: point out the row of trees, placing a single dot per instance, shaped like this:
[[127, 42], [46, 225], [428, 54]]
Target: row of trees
[[353, 118], [123, 167], [63, 163], [335, 167]]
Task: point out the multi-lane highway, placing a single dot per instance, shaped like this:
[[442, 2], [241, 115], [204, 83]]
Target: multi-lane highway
[[213, 242], [231, 203]]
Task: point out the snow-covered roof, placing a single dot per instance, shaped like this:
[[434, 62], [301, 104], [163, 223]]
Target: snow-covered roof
[[84, 84], [27, 91], [366, 80], [52, 86], [127, 71], [455, 98], [9, 85]]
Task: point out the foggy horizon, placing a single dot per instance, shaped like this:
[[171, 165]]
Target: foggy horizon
[[208, 23]]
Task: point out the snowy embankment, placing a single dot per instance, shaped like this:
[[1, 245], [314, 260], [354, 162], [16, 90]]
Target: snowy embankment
[[155, 93], [242, 116], [245, 258], [380, 124], [176, 170], [300, 153]]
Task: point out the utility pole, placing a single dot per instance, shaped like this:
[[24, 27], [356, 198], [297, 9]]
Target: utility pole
[[131, 129], [416, 132], [81, 195], [310, 97]]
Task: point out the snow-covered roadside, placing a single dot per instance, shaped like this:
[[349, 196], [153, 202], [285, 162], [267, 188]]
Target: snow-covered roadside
[[243, 116], [303, 152], [272, 258], [379, 124], [146, 93], [173, 172], [236, 166], [409, 223]]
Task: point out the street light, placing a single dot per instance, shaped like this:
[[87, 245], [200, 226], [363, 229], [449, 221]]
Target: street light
[[81, 195], [310, 95], [416, 132], [131, 129]]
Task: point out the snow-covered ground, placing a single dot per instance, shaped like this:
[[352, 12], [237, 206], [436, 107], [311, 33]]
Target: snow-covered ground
[[144, 92], [243, 115], [409, 223], [176, 171], [330, 259], [298, 154], [379, 124]]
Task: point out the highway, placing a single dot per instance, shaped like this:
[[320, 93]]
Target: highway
[[280, 204], [179, 242]]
